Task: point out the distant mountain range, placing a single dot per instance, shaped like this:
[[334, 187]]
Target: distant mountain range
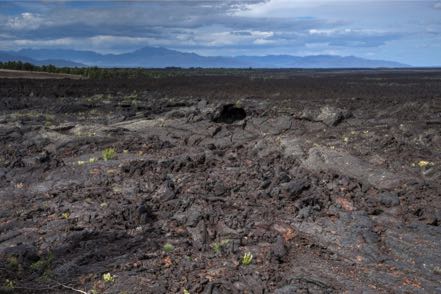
[[13, 56], [154, 57]]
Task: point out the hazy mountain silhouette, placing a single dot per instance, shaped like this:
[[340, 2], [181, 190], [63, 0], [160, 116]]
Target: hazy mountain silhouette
[[14, 56], [162, 57]]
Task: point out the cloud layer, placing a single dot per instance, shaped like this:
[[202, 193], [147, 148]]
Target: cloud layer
[[404, 31]]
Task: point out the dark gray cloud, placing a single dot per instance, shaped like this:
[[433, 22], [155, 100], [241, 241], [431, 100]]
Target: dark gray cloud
[[177, 24]]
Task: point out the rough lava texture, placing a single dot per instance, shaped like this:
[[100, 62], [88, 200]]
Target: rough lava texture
[[326, 202]]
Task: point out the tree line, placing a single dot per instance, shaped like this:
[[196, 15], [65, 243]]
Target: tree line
[[93, 72]]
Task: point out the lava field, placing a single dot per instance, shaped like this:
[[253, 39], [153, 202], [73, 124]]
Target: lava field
[[265, 182]]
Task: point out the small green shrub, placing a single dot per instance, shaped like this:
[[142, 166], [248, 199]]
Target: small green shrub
[[43, 264], [108, 278], [424, 164], [217, 246], [168, 247], [9, 284], [108, 153], [247, 258], [12, 262]]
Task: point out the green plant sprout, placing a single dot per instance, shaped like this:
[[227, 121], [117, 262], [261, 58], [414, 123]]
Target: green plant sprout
[[108, 278], [43, 264], [424, 164], [108, 154], [168, 247], [9, 284], [247, 258], [12, 262], [217, 246]]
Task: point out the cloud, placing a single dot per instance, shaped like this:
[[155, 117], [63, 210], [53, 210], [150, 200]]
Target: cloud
[[224, 27], [263, 41], [177, 24], [348, 37], [25, 21], [345, 32]]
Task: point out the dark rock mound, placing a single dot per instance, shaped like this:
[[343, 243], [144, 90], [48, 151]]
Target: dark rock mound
[[330, 116]]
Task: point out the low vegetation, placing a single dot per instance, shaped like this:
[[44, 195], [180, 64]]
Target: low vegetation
[[94, 72], [109, 154], [168, 247], [217, 246], [108, 278], [247, 258], [9, 284]]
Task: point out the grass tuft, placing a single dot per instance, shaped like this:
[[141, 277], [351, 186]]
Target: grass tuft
[[168, 247], [247, 258], [108, 154]]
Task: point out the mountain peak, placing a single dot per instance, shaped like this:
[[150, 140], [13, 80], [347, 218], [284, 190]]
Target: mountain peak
[[150, 49]]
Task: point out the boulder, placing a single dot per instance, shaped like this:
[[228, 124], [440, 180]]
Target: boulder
[[329, 115], [326, 159]]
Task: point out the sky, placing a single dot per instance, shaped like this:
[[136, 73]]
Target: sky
[[403, 31]]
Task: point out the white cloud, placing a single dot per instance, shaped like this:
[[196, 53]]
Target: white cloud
[[437, 5], [263, 42], [277, 8], [105, 44], [346, 32], [328, 32], [25, 21], [262, 34], [44, 43], [217, 36]]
